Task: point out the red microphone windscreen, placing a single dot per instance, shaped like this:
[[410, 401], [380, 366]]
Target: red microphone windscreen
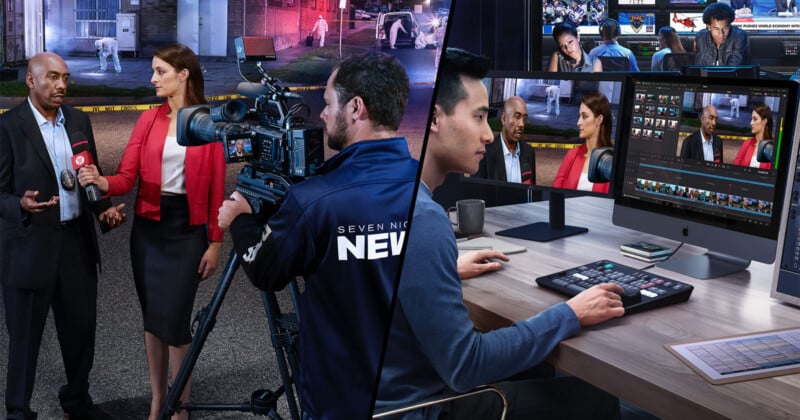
[[82, 159]]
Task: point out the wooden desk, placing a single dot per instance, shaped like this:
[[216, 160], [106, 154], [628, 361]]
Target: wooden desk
[[626, 356]]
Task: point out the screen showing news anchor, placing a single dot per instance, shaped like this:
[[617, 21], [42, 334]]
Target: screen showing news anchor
[[556, 119], [239, 150]]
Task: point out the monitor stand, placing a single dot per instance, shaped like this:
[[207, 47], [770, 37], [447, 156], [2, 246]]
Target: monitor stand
[[707, 266], [546, 231]]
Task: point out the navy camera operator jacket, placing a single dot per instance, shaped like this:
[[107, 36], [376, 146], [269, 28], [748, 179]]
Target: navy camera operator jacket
[[343, 231]]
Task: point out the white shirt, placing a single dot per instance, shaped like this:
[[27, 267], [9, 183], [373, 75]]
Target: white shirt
[[513, 171], [708, 148], [60, 151], [173, 179], [754, 163], [583, 182]]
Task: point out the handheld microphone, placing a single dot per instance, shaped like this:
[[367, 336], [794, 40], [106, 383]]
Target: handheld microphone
[[80, 158], [526, 174]]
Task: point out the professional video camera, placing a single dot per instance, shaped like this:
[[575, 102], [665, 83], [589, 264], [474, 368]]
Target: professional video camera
[[279, 148], [274, 139]]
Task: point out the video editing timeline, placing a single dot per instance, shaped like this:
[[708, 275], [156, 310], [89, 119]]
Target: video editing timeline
[[663, 114]]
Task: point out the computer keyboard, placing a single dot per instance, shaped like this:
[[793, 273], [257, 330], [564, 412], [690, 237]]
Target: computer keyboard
[[643, 290]]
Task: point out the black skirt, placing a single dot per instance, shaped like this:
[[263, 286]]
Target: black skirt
[[165, 255]]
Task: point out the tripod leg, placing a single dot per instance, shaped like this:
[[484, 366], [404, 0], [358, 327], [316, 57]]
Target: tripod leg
[[206, 320], [283, 336]]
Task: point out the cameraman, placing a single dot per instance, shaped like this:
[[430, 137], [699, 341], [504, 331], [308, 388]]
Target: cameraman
[[343, 232]]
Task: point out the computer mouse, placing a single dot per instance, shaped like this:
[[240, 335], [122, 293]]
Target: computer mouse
[[630, 295]]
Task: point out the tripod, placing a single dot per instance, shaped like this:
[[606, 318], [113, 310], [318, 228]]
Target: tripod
[[283, 329]]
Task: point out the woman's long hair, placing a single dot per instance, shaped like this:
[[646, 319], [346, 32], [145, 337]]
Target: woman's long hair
[[181, 57], [599, 105]]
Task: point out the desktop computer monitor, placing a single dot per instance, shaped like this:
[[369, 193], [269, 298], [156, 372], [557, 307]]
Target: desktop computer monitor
[[553, 146], [730, 204], [786, 274], [735, 72]]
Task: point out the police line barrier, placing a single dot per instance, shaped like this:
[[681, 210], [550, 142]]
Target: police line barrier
[[145, 107], [218, 98]]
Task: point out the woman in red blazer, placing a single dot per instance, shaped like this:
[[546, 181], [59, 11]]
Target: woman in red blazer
[[175, 239], [761, 125], [594, 126]]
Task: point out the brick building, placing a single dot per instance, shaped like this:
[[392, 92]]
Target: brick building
[[70, 27]]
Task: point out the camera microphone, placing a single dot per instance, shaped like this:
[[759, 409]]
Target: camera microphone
[[80, 158], [765, 153], [254, 90], [601, 163]]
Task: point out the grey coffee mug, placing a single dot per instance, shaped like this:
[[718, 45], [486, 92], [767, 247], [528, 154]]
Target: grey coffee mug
[[469, 216]]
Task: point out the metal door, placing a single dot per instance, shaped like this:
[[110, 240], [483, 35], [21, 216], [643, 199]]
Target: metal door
[[203, 26], [14, 48]]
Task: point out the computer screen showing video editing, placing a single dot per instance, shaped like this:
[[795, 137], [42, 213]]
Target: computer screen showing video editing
[[723, 195], [553, 134]]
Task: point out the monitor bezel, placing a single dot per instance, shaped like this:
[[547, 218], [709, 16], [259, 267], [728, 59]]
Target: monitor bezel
[[620, 77], [722, 71], [667, 4], [681, 225]]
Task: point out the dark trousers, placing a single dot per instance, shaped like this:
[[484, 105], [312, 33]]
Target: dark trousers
[[537, 396], [73, 298]]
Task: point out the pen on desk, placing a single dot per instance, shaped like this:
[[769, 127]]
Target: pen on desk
[[473, 247]]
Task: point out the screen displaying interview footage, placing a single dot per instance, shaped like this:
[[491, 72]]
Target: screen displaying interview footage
[[553, 106], [239, 150]]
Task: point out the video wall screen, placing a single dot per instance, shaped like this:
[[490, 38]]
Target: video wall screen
[[636, 2], [686, 23], [637, 23], [587, 15]]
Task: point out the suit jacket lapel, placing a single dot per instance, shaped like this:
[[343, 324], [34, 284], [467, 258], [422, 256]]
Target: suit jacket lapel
[[31, 132]]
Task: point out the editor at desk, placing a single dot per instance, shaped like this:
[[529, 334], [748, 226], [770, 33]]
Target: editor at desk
[[432, 344]]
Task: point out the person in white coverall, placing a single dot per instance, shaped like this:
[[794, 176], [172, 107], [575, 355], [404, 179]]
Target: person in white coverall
[[108, 47], [320, 27], [396, 26], [553, 93]]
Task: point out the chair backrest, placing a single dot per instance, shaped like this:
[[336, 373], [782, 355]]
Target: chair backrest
[[615, 63], [676, 61], [440, 399]]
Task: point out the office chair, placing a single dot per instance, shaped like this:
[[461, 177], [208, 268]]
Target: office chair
[[441, 399], [615, 63], [676, 61]]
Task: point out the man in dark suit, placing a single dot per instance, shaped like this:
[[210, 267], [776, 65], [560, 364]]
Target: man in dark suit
[[702, 144], [48, 248], [507, 158]]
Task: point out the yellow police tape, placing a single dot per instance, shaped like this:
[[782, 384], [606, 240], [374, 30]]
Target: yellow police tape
[[145, 107]]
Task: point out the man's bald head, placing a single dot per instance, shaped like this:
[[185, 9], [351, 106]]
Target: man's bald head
[[708, 120], [515, 113], [44, 60], [47, 79]]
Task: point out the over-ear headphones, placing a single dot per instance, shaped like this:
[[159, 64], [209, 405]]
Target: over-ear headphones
[[610, 28]]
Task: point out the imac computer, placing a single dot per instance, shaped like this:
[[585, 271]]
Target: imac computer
[[726, 195], [786, 275], [553, 148]]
